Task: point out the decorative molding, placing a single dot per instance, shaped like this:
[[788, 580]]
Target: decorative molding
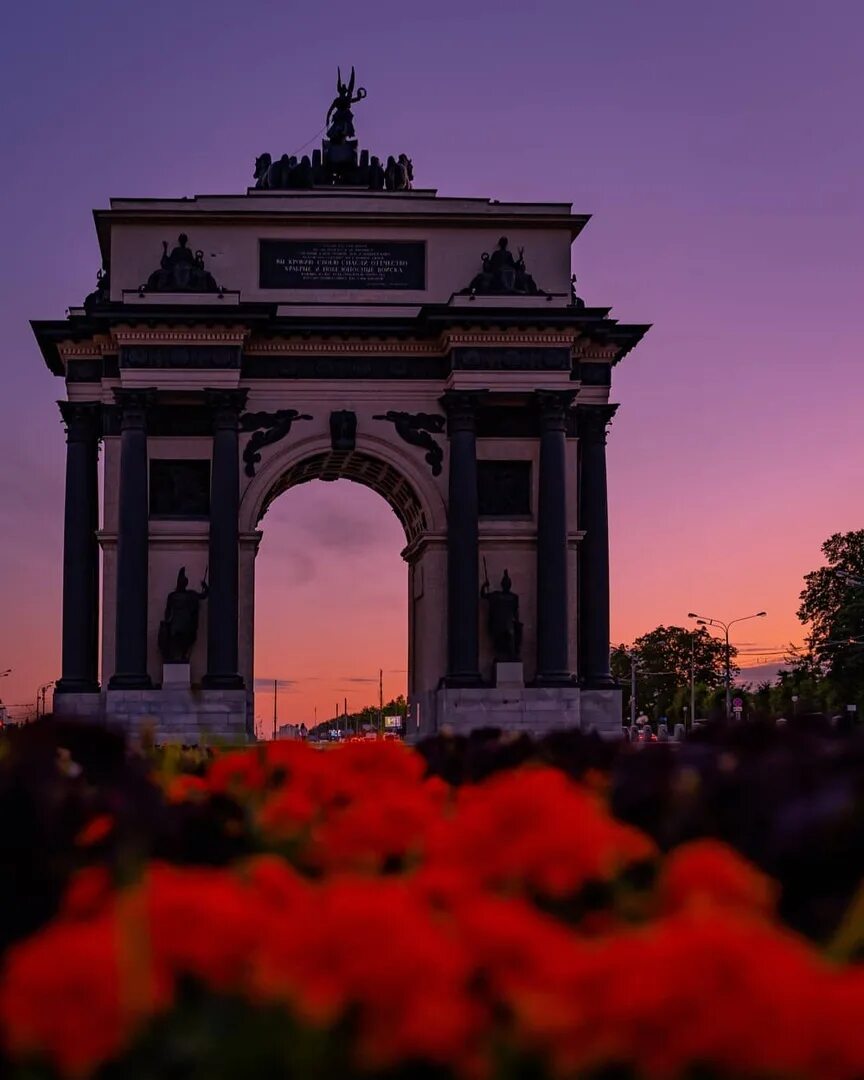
[[587, 348], [267, 428], [429, 367], [289, 346], [416, 429], [554, 408], [511, 338], [82, 419], [79, 350], [461, 407], [180, 356], [134, 405], [189, 336], [225, 407], [343, 431], [592, 421], [513, 358]]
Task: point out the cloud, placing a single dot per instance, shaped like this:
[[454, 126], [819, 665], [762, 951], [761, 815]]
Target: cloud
[[263, 683]]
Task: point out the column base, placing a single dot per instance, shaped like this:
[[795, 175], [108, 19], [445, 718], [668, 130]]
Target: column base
[[223, 682], [123, 681], [76, 686], [555, 678], [599, 682]]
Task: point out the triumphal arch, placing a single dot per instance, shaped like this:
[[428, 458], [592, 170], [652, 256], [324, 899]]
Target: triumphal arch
[[335, 320]]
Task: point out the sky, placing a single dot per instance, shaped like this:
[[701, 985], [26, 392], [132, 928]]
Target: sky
[[718, 148]]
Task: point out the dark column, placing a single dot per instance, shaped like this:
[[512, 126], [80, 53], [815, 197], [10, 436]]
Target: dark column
[[594, 670], [223, 602], [553, 661], [81, 549], [463, 574], [130, 640]]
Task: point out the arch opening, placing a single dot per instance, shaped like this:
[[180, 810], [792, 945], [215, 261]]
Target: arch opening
[[330, 606], [361, 468]]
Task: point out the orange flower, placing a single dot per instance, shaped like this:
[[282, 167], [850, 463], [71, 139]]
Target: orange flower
[[710, 871]]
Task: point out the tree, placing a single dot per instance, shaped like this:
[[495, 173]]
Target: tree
[[832, 606], [663, 659]]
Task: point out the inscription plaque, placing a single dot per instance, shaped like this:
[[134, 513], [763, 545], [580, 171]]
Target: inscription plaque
[[342, 264]]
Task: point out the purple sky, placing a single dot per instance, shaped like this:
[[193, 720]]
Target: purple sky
[[718, 147]]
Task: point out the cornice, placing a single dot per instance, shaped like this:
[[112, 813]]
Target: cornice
[[317, 347], [509, 338], [192, 336], [586, 349]]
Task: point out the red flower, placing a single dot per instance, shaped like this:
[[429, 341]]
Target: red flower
[[77, 992], [186, 788], [95, 831], [710, 871], [535, 830]]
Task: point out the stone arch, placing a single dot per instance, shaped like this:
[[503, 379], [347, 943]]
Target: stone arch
[[376, 464]]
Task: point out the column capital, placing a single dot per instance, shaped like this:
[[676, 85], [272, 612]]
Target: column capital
[[461, 408], [133, 407], [226, 406], [593, 420], [554, 406], [83, 420]]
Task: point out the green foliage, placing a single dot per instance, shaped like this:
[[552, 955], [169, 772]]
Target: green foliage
[[832, 605], [664, 657], [369, 716]]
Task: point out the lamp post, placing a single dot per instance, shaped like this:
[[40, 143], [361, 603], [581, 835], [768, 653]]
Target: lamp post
[[40, 696], [724, 626]]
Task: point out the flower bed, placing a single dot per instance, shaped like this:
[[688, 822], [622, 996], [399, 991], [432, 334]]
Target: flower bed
[[471, 911]]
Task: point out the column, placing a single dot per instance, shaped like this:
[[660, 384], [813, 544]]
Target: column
[[463, 573], [223, 601], [81, 549], [130, 642], [594, 670], [553, 661]]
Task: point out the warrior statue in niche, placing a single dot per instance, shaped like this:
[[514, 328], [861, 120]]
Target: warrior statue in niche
[[505, 629], [179, 629], [340, 119]]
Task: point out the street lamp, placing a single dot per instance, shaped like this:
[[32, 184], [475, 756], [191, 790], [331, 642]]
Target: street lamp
[[724, 626]]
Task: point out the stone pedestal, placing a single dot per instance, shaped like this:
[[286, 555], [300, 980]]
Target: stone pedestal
[[79, 707], [601, 712], [176, 714], [176, 676], [510, 676], [532, 710]]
